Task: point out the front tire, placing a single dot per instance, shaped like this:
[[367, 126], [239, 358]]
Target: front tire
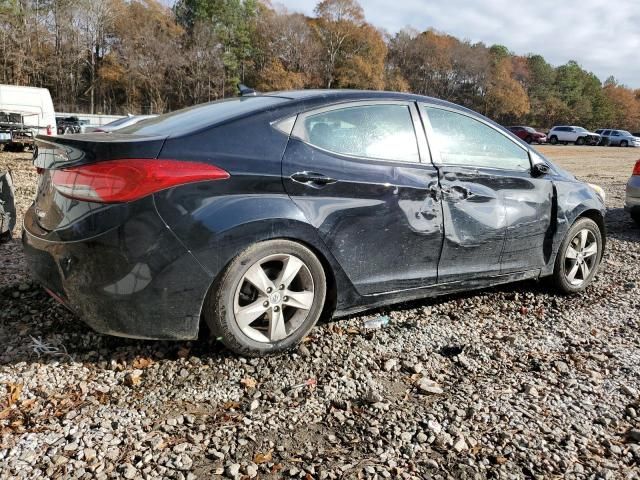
[[553, 139], [624, 143], [580, 141], [267, 299], [579, 257]]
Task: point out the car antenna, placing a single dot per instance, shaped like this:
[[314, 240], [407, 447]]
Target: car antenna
[[246, 91]]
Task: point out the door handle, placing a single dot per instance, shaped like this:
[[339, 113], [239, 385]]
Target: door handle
[[312, 178]]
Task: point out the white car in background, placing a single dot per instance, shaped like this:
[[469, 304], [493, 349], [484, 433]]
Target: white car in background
[[572, 134]]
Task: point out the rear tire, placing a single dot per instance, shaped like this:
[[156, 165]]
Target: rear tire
[[579, 257], [553, 140], [274, 316]]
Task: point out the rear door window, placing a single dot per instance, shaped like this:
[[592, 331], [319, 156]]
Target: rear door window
[[383, 132], [463, 140]]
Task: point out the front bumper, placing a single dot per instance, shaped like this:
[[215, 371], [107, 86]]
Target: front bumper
[[134, 280]]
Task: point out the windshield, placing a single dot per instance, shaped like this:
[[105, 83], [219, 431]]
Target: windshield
[[530, 130], [580, 129], [201, 116], [625, 133]]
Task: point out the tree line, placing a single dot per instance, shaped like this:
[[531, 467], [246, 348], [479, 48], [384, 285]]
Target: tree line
[[139, 56]]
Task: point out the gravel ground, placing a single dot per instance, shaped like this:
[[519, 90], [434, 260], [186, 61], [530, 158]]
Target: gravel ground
[[512, 382]]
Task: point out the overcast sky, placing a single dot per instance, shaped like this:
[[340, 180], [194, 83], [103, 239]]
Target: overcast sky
[[602, 36]]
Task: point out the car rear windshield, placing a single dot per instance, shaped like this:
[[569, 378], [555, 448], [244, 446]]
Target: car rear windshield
[[201, 116]]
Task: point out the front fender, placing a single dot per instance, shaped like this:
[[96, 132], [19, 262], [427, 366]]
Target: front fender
[[574, 199]]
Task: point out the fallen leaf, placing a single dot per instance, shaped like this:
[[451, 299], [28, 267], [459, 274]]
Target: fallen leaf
[[249, 382], [353, 331], [183, 352], [27, 405], [231, 405], [276, 468], [141, 363], [263, 458], [132, 379], [5, 413], [15, 389]]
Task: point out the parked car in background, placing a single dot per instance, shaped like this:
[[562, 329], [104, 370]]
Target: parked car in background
[[572, 134], [257, 214], [69, 125], [618, 138], [122, 123], [632, 196], [529, 134], [34, 104]]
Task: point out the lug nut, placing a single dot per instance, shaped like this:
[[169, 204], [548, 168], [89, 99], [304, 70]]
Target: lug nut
[[276, 309], [265, 304], [269, 289], [281, 287], [285, 299]]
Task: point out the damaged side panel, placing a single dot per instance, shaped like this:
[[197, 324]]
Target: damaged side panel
[[475, 221]]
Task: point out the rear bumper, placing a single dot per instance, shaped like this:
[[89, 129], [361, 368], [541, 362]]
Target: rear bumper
[[135, 280], [632, 197]]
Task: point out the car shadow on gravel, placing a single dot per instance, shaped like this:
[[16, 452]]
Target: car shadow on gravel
[[35, 328], [620, 226]]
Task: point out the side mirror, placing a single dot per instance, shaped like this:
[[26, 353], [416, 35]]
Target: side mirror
[[539, 170]]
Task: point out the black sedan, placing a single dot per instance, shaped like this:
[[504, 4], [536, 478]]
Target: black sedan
[[259, 214]]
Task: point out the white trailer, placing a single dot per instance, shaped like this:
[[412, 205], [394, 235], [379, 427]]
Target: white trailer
[[34, 104]]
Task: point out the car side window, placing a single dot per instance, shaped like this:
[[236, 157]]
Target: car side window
[[615, 133], [463, 140], [383, 132]]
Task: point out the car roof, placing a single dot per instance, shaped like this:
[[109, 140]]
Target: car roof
[[349, 94]]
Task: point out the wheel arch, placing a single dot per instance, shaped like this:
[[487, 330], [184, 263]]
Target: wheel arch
[[598, 217], [340, 290]]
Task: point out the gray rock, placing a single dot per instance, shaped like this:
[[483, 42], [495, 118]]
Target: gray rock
[[233, 470], [429, 386], [390, 364], [128, 471]]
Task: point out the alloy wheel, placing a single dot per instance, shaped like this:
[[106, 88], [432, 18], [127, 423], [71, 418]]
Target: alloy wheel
[[273, 298], [580, 257]]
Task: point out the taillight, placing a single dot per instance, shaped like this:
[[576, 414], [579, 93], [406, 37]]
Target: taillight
[[636, 169], [116, 181], [49, 130]]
